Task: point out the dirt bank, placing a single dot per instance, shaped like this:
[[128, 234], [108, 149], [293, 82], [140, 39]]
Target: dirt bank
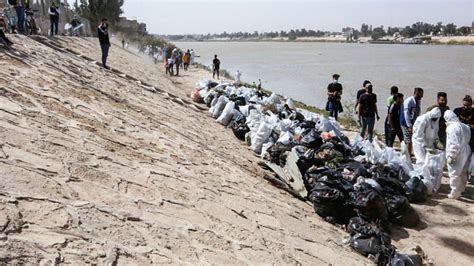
[[98, 167]]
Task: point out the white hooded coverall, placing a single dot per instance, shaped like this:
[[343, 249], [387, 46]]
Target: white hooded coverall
[[458, 153], [425, 132]]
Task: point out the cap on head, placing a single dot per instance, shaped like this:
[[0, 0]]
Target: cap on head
[[335, 76]]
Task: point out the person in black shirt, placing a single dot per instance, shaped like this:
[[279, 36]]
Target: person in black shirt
[[393, 120], [466, 116], [334, 105], [103, 32], [54, 18], [359, 93], [216, 64], [367, 112]]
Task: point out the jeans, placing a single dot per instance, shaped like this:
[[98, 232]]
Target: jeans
[[105, 53], [20, 13], [216, 71], [177, 69], [54, 25], [396, 132], [368, 123]]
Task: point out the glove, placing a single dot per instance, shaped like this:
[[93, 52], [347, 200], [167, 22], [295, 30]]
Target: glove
[[450, 160]]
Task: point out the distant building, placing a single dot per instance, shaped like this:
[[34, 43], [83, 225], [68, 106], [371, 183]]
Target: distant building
[[131, 25]]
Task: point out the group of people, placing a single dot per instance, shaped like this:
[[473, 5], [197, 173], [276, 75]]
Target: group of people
[[22, 20], [438, 128], [178, 59]]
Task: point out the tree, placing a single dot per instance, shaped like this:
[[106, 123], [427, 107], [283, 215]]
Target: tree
[[364, 29], [392, 31], [378, 33], [408, 32], [450, 29], [464, 30], [96, 10]]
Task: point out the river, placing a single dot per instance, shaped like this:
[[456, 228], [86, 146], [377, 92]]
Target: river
[[303, 70]]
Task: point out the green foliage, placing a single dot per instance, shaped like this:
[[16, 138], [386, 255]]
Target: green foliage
[[378, 33], [96, 10]]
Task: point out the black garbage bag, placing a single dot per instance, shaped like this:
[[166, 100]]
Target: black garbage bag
[[311, 139], [358, 169], [297, 116], [329, 193], [379, 171], [416, 190], [376, 244], [308, 160], [208, 99], [276, 150], [369, 203], [307, 124], [212, 84], [399, 259], [327, 201], [239, 100], [400, 211], [359, 225], [391, 186], [238, 126]]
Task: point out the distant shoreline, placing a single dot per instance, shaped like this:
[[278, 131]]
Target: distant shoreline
[[450, 40]]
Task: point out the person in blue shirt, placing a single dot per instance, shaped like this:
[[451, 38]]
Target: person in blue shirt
[[410, 111]]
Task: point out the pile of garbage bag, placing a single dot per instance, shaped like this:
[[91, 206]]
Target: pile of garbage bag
[[364, 186]]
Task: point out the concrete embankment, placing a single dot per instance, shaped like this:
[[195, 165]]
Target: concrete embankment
[[117, 166]]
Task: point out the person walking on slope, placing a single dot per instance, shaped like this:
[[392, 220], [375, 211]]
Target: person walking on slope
[[216, 64], [177, 62], [390, 101], [425, 132], [20, 6], [103, 32], [410, 111], [393, 120], [54, 18], [368, 112], [334, 91], [458, 153]]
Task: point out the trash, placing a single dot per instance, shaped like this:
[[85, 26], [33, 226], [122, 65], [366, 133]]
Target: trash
[[311, 139], [401, 212], [400, 259], [219, 107], [260, 137], [196, 96], [365, 185], [416, 190], [434, 164], [369, 203], [227, 114]]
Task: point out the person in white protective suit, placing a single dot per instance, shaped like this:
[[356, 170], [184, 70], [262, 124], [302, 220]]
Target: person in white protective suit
[[425, 132], [458, 153]]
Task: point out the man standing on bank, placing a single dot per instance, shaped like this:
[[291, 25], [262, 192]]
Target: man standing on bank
[[103, 32], [334, 105], [54, 18], [216, 64]]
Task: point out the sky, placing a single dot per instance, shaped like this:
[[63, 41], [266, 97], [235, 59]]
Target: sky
[[217, 16]]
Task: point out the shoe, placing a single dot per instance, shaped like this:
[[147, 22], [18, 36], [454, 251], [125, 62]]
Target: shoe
[[451, 196], [106, 67]]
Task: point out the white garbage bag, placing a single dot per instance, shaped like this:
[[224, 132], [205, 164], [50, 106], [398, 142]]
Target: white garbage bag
[[290, 104], [285, 138], [227, 114], [261, 136], [405, 158], [434, 163], [219, 107]]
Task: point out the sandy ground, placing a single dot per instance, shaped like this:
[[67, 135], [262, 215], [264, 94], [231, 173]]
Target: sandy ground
[[96, 167]]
